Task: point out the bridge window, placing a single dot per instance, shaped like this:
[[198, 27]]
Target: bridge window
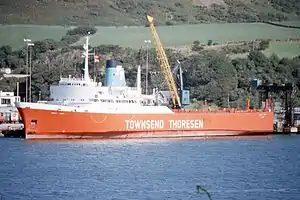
[[106, 100], [5, 101]]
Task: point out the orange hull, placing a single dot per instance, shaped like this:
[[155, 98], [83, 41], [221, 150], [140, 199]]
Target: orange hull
[[41, 123]]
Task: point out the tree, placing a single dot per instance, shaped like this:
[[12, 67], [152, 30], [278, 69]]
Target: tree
[[264, 44]]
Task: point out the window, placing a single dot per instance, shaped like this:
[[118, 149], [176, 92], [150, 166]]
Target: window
[[5, 101]]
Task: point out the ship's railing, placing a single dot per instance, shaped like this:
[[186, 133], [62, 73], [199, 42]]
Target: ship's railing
[[73, 79], [42, 101], [123, 88], [132, 88], [78, 83], [221, 110]]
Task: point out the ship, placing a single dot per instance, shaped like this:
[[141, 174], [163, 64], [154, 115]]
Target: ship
[[84, 108]]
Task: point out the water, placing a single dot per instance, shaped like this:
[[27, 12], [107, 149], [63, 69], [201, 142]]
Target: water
[[248, 168]]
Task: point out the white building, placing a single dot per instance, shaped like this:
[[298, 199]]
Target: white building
[[7, 100]]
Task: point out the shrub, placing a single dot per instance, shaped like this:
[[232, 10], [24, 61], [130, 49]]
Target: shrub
[[82, 30]]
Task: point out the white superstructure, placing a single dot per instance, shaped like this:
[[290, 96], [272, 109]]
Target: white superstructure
[[87, 92]]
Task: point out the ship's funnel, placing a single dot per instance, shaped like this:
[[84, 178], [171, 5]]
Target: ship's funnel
[[114, 74]]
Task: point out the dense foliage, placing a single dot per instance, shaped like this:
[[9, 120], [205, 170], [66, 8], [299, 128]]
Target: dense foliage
[[287, 6], [210, 75], [132, 12], [82, 30]]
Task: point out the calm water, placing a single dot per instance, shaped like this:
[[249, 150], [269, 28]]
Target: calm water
[[248, 168]]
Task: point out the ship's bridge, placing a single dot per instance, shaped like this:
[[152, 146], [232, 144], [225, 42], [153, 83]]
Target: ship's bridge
[[82, 91], [73, 90]]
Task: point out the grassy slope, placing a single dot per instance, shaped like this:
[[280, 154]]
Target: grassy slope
[[282, 49], [13, 35], [171, 36], [186, 34], [288, 49]]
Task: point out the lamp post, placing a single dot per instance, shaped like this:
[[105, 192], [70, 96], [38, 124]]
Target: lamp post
[[26, 40], [30, 69], [180, 76], [147, 42]]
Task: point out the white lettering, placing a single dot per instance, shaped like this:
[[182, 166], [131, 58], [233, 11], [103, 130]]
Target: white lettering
[[186, 124], [127, 124], [131, 124], [159, 124], [144, 124]]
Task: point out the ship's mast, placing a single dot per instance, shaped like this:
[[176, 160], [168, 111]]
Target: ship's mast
[[138, 78], [86, 62]]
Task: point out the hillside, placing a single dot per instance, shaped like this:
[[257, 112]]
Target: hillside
[[208, 72], [131, 12]]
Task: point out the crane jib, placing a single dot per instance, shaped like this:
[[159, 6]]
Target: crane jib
[[164, 63]]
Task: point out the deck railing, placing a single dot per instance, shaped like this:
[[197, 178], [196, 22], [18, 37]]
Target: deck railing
[[220, 110]]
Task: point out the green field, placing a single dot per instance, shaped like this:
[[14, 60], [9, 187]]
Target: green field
[[171, 36], [181, 35], [287, 49], [13, 35]]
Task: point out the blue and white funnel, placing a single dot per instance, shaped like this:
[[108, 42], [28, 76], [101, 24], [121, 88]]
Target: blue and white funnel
[[114, 74]]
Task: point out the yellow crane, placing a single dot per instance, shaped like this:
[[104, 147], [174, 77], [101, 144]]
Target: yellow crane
[[164, 63]]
